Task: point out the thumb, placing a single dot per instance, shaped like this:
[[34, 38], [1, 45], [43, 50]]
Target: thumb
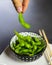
[[18, 5]]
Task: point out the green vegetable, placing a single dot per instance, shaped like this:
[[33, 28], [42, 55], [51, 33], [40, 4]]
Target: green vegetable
[[38, 43], [12, 46], [35, 47], [22, 21], [18, 50], [27, 45], [39, 49], [17, 46], [22, 43], [24, 50], [28, 38], [18, 35]]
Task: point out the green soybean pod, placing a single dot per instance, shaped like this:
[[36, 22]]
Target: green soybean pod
[[28, 38], [22, 21], [17, 34], [14, 44], [12, 47], [40, 49], [25, 50], [22, 43], [33, 43], [38, 43], [31, 54], [17, 46], [35, 47], [27, 45], [36, 39], [18, 50]]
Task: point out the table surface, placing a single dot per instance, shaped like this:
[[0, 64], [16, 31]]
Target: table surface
[[8, 58], [38, 14]]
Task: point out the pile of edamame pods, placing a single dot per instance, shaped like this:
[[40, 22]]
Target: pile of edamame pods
[[27, 45]]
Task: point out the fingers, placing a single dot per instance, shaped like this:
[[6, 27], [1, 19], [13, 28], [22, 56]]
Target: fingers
[[24, 5], [18, 5]]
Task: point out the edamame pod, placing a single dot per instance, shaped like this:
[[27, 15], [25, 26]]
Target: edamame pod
[[35, 47], [18, 50], [18, 35], [22, 43], [17, 46], [33, 43], [28, 38], [27, 45], [37, 39], [38, 43], [22, 21], [24, 50], [39, 49], [13, 48]]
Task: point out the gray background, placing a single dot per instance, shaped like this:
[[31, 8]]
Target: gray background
[[38, 14]]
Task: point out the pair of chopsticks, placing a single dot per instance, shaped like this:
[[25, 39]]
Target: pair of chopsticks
[[48, 52]]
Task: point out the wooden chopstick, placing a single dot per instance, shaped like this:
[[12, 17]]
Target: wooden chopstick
[[42, 33], [46, 39], [48, 56]]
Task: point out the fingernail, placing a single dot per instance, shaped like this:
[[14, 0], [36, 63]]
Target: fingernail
[[19, 9]]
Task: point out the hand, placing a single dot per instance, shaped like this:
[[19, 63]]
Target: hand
[[21, 6]]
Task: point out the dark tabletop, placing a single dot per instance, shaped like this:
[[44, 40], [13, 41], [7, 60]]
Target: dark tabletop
[[38, 14]]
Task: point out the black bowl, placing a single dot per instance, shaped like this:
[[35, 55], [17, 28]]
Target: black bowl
[[27, 58]]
